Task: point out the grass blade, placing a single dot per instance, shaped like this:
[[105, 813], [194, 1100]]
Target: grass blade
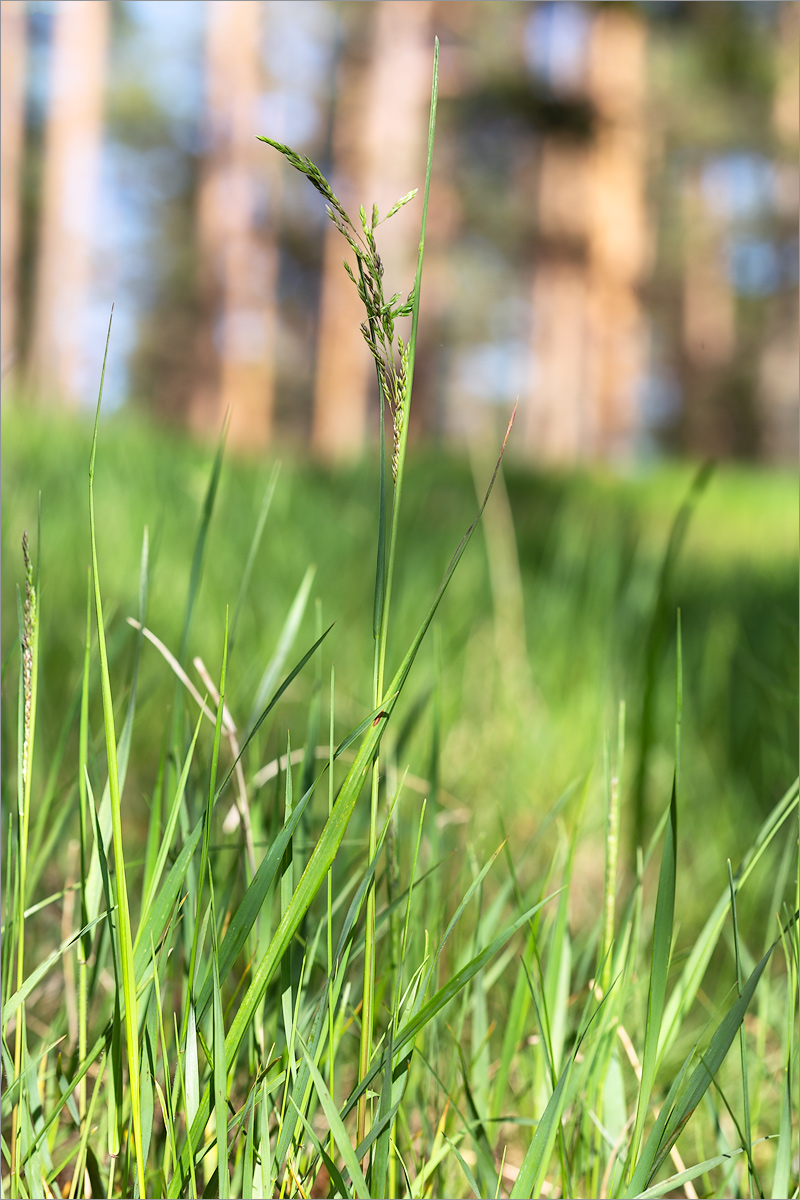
[[125, 938]]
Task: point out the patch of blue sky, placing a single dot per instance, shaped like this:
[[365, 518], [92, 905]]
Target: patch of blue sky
[[739, 185], [167, 53], [299, 44], [290, 116], [757, 266], [556, 42], [494, 372]]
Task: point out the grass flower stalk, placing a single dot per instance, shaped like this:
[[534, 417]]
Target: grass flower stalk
[[29, 675]]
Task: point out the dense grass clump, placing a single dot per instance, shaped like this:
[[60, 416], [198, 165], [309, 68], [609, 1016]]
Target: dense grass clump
[[422, 903]]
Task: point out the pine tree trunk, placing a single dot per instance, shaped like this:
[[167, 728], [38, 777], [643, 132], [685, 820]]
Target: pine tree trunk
[[239, 260], [589, 330], [59, 357], [12, 139]]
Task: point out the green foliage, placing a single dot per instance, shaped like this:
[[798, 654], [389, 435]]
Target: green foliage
[[188, 1016]]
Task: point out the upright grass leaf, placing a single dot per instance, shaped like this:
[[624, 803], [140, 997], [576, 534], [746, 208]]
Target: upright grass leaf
[[212, 783], [537, 1156], [198, 554], [167, 836], [662, 938], [83, 756], [684, 1097], [125, 939], [659, 968], [654, 645], [220, 1078], [340, 1135], [286, 639], [783, 1156], [253, 900], [266, 502], [688, 985], [29, 618]]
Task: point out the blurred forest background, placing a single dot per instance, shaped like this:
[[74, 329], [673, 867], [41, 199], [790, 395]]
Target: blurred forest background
[[612, 234]]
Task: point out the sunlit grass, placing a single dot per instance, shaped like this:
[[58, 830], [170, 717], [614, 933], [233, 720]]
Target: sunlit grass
[[197, 899]]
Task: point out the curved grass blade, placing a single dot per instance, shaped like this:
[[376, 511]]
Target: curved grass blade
[[20, 996]]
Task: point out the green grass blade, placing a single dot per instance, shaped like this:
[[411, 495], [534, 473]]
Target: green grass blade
[[683, 1100], [654, 646], [409, 1031], [167, 836], [207, 826], [158, 913], [253, 900], [220, 1082], [686, 989], [659, 969], [679, 1180], [537, 1156], [412, 341], [19, 997], [253, 551], [125, 939], [285, 642], [340, 1134], [198, 555]]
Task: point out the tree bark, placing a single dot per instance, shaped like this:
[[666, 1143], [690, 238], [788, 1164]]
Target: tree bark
[[73, 139], [12, 139], [239, 258], [589, 331]]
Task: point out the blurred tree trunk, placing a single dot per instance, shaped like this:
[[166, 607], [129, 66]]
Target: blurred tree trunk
[[778, 361], [709, 334], [12, 138], [589, 335], [558, 419], [239, 261], [379, 143], [73, 140]]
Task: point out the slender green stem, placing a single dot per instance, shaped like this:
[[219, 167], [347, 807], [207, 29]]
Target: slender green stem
[[206, 835], [84, 946], [384, 580], [29, 639], [331, 1014], [123, 913]]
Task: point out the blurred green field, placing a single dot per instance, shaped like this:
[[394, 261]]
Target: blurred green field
[[541, 636]]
